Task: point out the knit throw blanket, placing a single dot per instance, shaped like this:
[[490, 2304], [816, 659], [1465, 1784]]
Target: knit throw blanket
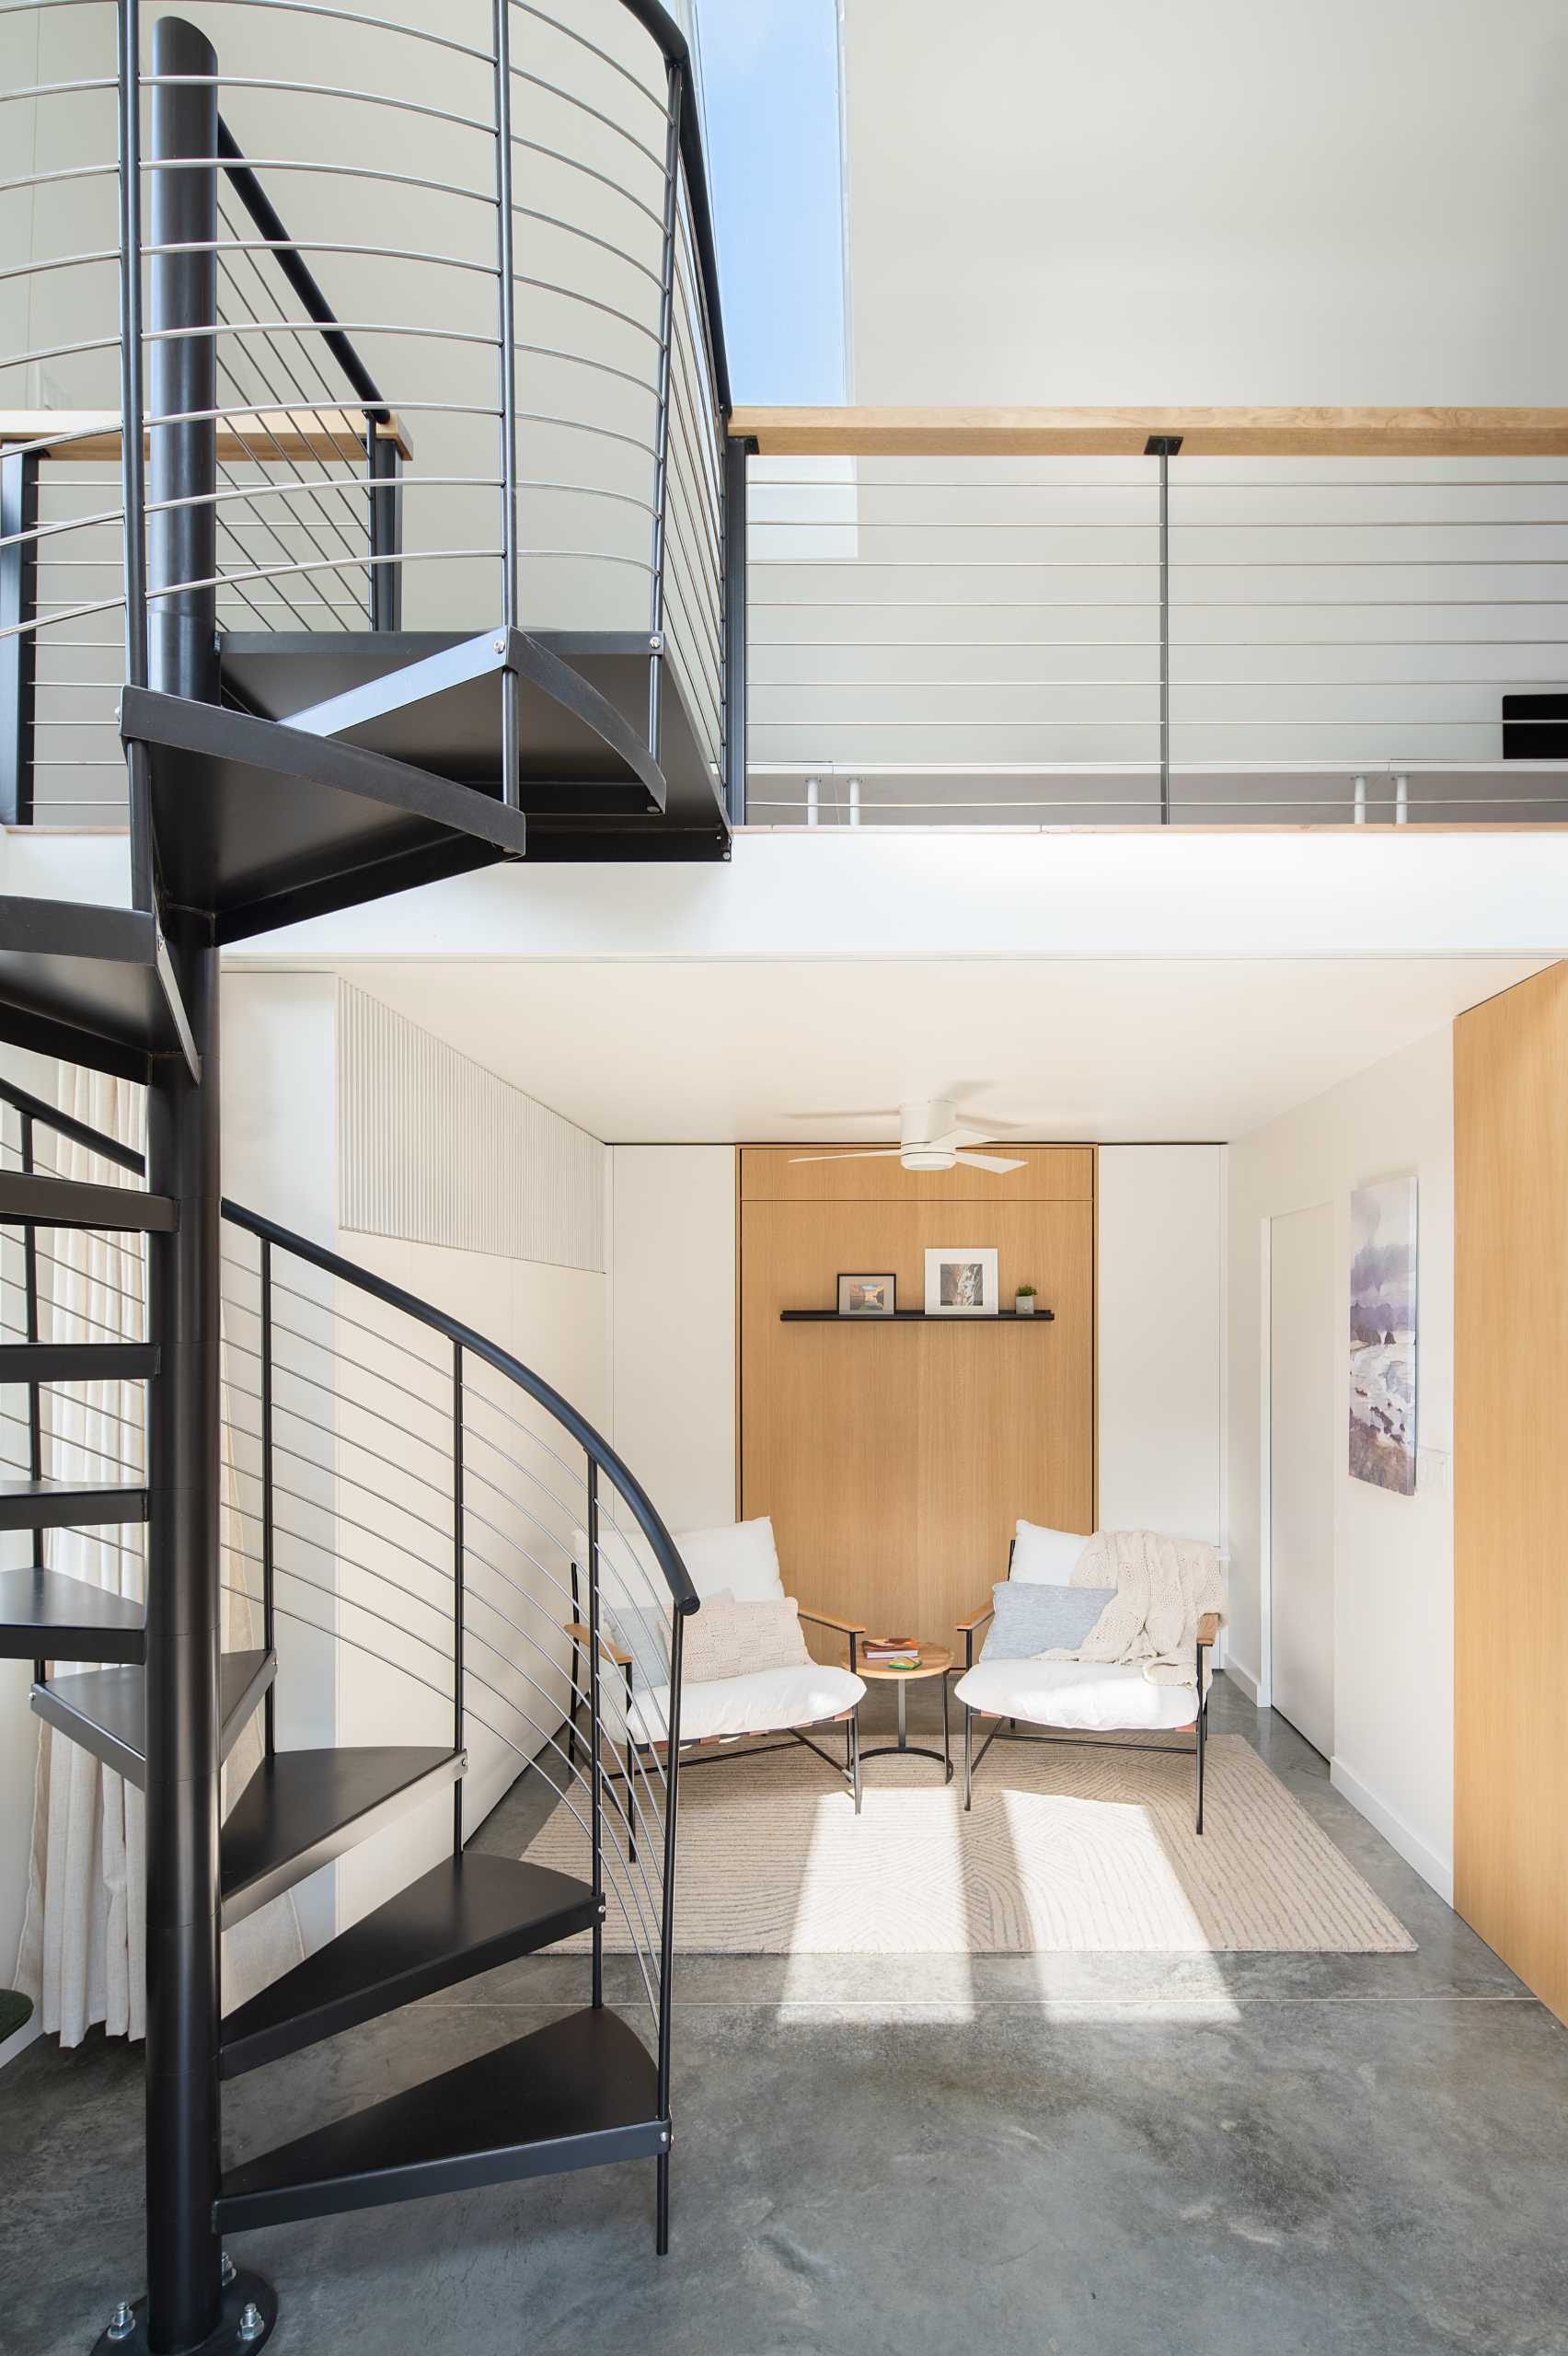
[[1163, 1588]]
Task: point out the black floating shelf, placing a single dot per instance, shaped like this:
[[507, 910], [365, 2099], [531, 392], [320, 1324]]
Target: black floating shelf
[[915, 1317]]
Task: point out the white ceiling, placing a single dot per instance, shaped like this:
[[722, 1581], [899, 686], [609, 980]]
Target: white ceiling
[[676, 1051]]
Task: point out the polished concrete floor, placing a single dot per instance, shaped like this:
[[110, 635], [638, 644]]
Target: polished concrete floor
[[1121, 2155]]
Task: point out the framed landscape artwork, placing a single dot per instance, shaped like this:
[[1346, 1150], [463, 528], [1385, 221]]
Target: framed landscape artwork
[[1383, 1315], [867, 1296]]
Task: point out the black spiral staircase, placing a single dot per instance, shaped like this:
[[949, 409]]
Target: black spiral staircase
[[272, 777]]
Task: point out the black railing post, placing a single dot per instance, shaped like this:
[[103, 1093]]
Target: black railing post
[[270, 1723], [596, 1770], [383, 465], [1164, 447], [457, 1598], [506, 324], [29, 1283], [18, 653], [667, 1927], [675, 87], [133, 451], [183, 1424], [737, 456]]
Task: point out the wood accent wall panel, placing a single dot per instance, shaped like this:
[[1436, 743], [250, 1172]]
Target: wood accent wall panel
[[895, 1464], [1511, 1478]]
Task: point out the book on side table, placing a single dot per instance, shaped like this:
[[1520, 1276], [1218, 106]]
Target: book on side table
[[891, 1652]]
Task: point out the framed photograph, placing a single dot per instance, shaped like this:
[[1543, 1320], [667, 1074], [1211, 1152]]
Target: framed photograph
[[960, 1280], [1383, 1322], [867, 1295]]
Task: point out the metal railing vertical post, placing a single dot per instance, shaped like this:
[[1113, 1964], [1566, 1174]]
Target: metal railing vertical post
[[674, 86], [506, 321], [184, 1593], [132, 428], [457, 1612], [596, 1768], [19, 614], [737, 455], [1164, 447], [383, 465], [270, 1725], [667, 1926], [30, 1288]]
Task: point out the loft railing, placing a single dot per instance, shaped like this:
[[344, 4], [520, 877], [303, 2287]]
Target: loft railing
[[485, 237], [1137, 616], [427, 1530]]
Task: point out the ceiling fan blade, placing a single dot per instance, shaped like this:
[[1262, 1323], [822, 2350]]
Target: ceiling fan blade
[[965, 1137], [993, 1161], [858, 1153]]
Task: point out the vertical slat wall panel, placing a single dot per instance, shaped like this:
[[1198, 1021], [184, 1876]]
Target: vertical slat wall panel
[[434, 1149]]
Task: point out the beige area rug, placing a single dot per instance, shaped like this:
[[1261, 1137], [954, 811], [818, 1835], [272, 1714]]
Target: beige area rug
[[1066, 1850]]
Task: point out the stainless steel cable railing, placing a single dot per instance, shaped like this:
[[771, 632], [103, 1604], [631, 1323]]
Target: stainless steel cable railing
[[949, 640], [433, 1539], [466, 365]]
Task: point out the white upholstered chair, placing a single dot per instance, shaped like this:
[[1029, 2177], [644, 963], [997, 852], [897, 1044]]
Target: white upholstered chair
[[1074, 1700], [739, 1559]]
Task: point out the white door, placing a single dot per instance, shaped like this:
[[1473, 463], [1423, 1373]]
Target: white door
[[1305, 1326]]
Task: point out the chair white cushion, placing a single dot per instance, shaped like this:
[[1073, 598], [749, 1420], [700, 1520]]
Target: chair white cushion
[[761, 1704], [740, 1556], [1046, 1557], [1088, 1696]]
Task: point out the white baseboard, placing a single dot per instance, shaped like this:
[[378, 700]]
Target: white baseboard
[[1439, 1871], [19, 2040], [1242, 1678]]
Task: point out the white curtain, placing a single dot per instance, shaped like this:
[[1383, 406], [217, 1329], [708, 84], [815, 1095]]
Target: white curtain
[[83, 1950]]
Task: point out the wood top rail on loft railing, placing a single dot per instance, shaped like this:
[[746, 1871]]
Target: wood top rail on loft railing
[[1125, 433], [258, 436]]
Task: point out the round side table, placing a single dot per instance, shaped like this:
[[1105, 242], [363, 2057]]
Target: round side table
[[933, 1663]]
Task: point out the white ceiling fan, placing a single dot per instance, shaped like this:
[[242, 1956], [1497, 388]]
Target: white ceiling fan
[[931, 1138]]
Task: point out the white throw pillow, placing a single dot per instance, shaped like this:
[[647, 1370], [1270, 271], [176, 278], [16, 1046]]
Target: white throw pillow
[[1046, 1557], [730, 1639], [740, 1556]]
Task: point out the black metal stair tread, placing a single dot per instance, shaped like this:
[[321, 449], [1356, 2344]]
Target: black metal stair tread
[[91, 985], [585, 775], [48, 1615], [31, 1198], [575, 2094], [261, 824], [465, 1916], [65, 1504], [106, 1709], [302, 1808], [77, 1361]]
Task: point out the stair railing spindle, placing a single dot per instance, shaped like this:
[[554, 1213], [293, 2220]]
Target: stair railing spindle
[[595, 1765], [675, 86], [268, 1532], [458, 1615]]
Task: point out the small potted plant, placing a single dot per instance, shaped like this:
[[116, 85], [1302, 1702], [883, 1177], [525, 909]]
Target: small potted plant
[[1025, 1299]]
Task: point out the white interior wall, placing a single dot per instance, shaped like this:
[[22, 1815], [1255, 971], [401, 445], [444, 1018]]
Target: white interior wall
[[1393, 1555], [292, 1061], [1061, 204], [1159, 1353], [672, 1260]]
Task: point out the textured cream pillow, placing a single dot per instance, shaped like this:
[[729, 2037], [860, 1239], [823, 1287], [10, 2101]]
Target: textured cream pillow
[[730, 1639]]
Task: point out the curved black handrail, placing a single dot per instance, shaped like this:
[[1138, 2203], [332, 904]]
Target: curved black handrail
[[656, 19], [677, 1576], [595, 1446]]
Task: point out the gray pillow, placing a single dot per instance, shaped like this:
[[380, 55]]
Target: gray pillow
[[641, 1630], [1033, 1618]]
